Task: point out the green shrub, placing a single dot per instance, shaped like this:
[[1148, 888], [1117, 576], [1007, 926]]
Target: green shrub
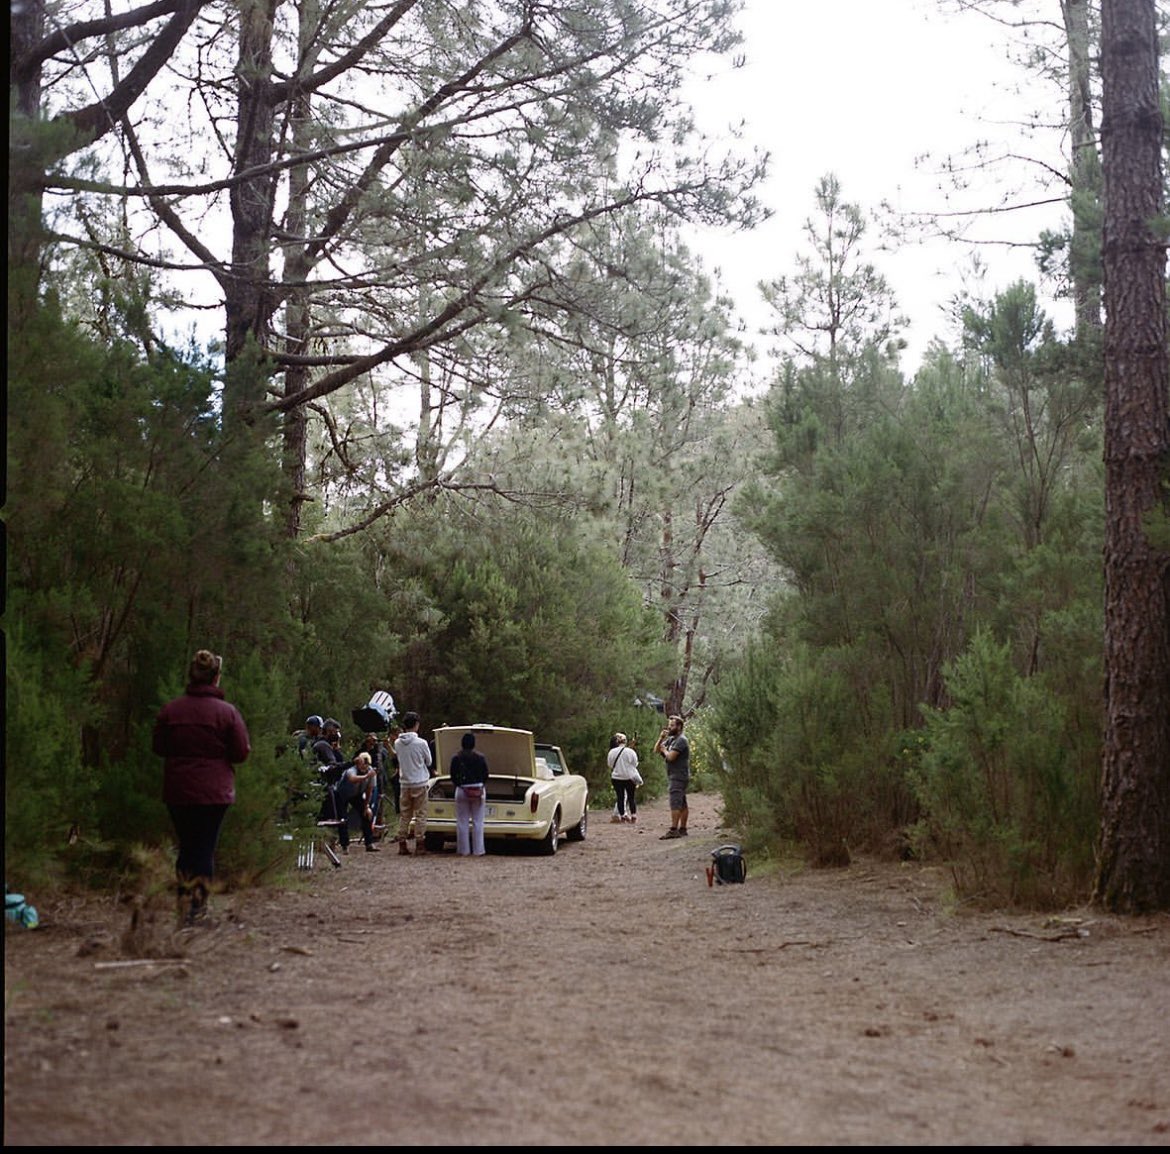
[[49, 795], [798, 761], [1005, 799]]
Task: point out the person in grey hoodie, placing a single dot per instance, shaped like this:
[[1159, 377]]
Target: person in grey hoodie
[[414, 770]]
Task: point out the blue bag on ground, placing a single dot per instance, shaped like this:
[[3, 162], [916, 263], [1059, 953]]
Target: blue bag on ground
[[16, 909]]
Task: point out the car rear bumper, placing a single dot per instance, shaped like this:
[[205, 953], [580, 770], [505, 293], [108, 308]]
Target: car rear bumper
[[441, 824]]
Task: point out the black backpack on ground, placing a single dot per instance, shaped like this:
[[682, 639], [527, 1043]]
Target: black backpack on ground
[[730, 866]]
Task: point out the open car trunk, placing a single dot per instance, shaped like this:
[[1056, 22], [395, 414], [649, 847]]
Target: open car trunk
[[509, 752]]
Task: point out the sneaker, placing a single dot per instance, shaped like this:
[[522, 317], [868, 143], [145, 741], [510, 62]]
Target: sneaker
[[373, 849], [670, 833], [615, 819], [682, 831]]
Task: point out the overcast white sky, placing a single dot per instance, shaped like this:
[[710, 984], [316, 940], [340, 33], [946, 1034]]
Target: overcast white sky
[[863, 89]]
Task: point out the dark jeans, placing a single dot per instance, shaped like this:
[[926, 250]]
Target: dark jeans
[[197, 828], [345, 804], [624, 792]]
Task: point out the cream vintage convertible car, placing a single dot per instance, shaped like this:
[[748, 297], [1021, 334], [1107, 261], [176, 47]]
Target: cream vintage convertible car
[[531, 795]]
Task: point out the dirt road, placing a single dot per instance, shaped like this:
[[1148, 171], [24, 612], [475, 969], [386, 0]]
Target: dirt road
[[603, 996]]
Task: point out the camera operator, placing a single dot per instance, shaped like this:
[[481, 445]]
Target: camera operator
[[676, 752]]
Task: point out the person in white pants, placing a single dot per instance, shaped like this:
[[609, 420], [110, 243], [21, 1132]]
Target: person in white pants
[[469, 773]]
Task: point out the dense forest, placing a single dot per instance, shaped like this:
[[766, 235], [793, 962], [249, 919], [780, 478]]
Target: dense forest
[[362, 343]]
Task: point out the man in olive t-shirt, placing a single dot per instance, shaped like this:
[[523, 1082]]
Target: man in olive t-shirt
[[677, 753]]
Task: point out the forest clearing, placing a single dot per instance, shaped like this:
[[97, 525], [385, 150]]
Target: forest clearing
[[606, 995], [366, 349]]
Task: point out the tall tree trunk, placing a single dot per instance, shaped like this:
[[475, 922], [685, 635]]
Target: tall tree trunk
[[248, 299], [427, 440], [25, 167], [297, 266], [295, 427], [1134, 860], [671, 619], [1084, 173]]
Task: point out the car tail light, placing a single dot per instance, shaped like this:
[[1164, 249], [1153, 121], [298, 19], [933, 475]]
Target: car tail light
[[534, 801]]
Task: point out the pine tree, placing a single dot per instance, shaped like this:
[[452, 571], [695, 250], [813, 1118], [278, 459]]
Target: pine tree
[[1134, 857]]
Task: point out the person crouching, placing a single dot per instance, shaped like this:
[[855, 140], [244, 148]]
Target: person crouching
[[356, 791]]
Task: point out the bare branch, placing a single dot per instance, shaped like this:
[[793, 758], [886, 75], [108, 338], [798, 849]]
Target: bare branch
[[95, 120], [425, 333], [24, 67], [284, 90]]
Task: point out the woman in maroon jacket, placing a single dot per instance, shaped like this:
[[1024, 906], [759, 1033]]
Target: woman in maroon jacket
[[202, 737]]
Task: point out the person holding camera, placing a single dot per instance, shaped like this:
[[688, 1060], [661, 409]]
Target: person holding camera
[[676, 752]]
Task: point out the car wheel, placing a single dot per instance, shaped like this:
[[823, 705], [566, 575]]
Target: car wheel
[[577, 833], [549, 844], [433, 842]]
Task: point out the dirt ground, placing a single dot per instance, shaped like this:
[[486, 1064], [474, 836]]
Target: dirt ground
[[606, 995]]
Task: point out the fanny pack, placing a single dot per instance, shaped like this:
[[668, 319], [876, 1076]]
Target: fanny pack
[[472, 792]]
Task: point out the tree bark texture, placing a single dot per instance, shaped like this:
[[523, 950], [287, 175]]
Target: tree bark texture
[[297, 269], [1134, 851], [1084, 169], [25, 168], [248, 299]]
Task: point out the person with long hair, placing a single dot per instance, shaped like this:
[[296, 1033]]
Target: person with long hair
[[201, 738]]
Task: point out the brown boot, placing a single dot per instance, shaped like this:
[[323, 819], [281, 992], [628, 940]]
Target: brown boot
[[420, 847], [403, 848]]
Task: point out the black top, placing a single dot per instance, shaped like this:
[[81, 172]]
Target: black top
[[469, 767]]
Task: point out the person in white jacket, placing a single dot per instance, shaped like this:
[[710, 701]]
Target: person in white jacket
[[623, 772], [414, 771]]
